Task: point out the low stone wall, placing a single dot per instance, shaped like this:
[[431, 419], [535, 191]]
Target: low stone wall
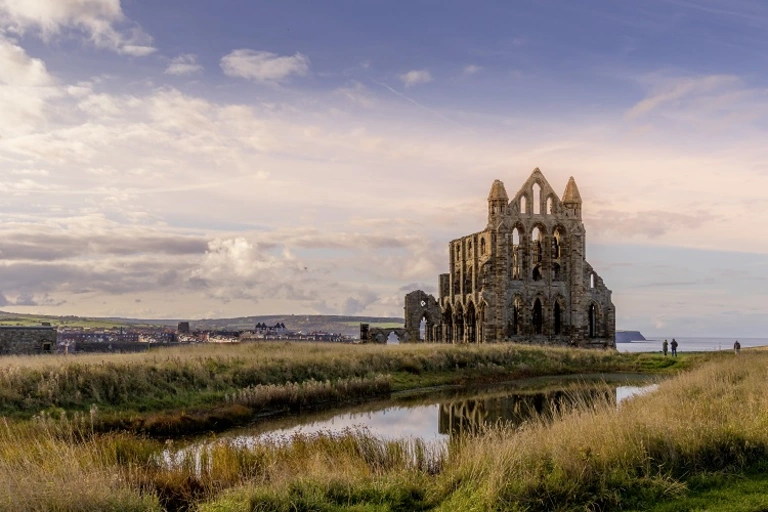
[[27, 340], [119, 347]]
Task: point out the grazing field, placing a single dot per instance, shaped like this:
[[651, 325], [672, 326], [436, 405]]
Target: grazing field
[[203, 379], [703, 435]]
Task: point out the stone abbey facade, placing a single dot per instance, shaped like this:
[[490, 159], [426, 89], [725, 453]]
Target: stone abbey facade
[[523, 278]]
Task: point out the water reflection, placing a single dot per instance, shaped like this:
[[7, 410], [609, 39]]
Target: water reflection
[[437, 415], [469, 416]]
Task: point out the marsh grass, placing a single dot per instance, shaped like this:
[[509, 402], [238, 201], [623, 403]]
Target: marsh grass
[[591, 457], [203, 376], [45, 468]]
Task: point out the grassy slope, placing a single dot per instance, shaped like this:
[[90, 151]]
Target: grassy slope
[[202, 376], [699, 443], [349, 325]]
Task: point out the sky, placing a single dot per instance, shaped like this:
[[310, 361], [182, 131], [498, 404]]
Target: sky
[[196, 159]]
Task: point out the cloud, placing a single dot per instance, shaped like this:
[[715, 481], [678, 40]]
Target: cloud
[[671, 92], [359, 302], [264, 67], [356, 93], [183, 65], [26, 90], [416, 76], [19, 69], [100, 21], [472, 69], [192, 203], [648, 224]]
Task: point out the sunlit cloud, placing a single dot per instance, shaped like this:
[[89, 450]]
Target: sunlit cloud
[[264, 67]]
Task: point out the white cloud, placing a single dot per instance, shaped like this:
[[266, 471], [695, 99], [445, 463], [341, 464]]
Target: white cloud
[[472, 69], [26, 89], [238, 178], [19, 69], [183, 65], [416, 76], [356, 93], [264, 67], [670, 93], [101, 21]]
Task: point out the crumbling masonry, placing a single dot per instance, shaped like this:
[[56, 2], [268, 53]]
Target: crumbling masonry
[[524, 278]]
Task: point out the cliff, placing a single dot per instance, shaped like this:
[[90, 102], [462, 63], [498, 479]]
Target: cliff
[[627, 336]]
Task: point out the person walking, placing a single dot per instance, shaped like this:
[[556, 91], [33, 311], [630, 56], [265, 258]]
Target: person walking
[[674, 347], [736, 347], [664, 347]]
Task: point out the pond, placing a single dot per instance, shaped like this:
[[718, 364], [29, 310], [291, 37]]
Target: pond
[[434, 415]]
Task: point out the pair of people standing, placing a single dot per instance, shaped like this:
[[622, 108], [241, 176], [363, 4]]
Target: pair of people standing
[[736, 347], [673, 346]]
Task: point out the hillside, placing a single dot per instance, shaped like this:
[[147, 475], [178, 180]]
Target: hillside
[[349, 325]]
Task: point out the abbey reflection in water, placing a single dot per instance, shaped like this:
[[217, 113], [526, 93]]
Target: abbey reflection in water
[[468, 416]]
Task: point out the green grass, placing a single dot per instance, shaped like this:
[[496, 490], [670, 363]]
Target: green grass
[[699, 442], [719, 492], [200, 377]]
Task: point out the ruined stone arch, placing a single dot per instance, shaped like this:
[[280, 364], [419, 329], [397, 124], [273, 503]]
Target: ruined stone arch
[[551, 204], [524, 204], [557, 272], [516, 318], [536, 198], [517, 256], [448, 323], [538, 237], [594, 317], [558, 241], [470, 322], [458, 322], [421, 306], [481, 317], [558, 317], [538, 306]]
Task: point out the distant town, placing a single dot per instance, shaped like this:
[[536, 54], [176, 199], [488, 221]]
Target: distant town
[[58, 337]]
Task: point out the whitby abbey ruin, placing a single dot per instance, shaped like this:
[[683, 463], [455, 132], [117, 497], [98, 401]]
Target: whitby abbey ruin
[[524, 278]]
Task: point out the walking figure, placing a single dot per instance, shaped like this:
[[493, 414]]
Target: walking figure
[[664, 347], [674, 347], [736, 347]]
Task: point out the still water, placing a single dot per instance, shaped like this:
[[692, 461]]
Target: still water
[[436, 415]]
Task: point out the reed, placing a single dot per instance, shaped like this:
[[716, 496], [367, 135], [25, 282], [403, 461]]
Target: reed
[[593, 457], [45, 468], [712, 418], [202, 376]]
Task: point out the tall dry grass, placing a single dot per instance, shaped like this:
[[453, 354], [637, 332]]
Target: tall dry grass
[[595, 457], [200, 375], [44, 468], [713, 419]]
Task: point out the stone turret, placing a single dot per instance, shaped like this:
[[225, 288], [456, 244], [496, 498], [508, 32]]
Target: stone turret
[[497, 202], [572, 198]]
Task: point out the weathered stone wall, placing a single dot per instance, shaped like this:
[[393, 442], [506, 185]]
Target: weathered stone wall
[[27, 340], [370, 334], [118, 347], [525, 277], [422, 306]]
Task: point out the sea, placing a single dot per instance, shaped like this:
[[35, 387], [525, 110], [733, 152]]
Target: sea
[[690, 344]]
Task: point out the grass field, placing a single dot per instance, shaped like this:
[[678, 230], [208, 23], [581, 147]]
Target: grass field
[[203, 376], [699, 442]]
